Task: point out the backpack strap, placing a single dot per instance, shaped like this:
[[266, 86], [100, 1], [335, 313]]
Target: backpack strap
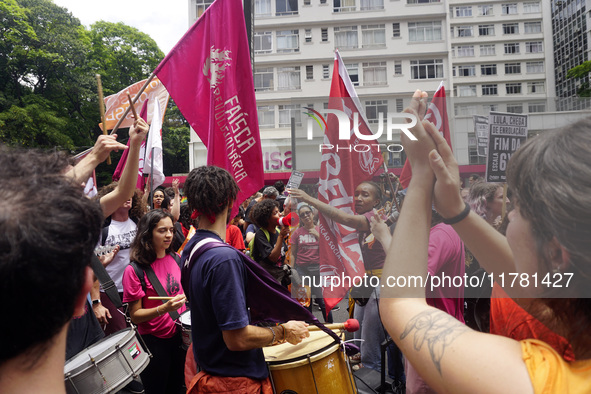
[[104, 235], [140, 270], [176, 258], [106, 282]]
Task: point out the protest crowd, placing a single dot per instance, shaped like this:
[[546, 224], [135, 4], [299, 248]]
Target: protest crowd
[[218, 284]]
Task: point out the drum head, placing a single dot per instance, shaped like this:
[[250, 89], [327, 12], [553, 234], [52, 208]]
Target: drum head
[[185, 318], [317, 346], [105, 345]]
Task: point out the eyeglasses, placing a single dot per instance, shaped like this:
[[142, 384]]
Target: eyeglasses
[[307, 213]]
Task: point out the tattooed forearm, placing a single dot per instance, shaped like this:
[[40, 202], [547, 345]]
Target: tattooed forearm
[[437, 329]]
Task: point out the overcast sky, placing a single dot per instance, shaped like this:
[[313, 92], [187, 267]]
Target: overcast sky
[[164, 21]]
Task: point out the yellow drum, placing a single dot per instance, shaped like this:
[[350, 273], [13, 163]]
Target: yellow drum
[[316, 365]]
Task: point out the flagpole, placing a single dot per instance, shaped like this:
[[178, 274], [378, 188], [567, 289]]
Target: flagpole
[[152, 177], [293, 146]]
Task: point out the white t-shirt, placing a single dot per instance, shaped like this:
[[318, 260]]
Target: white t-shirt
[[122, 234]]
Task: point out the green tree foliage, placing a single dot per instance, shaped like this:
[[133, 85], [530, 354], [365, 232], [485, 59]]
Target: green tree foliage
[[582, 72], [175, 141], [48, 93]]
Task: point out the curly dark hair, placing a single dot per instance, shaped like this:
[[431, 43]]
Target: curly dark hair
[[261, 212], [142, 250], [210, 189], [49, 231], [136, 211]]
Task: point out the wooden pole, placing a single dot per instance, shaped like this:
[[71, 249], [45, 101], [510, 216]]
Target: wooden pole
[[102, 109]]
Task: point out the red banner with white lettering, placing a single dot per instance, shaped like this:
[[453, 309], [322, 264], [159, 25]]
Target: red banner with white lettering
[[209, 76], [436, 114], [340, 172]]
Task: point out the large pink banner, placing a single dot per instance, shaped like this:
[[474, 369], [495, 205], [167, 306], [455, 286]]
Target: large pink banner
[[340, 173], [209, 76]]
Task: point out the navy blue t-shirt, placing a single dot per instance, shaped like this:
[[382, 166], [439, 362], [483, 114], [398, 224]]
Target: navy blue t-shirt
[[218, 303]]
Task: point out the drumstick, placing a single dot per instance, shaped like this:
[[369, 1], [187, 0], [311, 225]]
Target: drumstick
[[102, 109], [131, 105], [160, 298], [351, 325]]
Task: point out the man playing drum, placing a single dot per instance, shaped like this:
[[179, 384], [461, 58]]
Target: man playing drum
[[225, 345]]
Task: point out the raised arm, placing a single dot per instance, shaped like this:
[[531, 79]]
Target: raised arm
[[104, 145], [446, 353], [358, 222], [176, 206], [128, 180]]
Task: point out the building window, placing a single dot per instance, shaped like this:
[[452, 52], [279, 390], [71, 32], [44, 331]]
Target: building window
[[534, 67], [374, 108], [511, 48], [345, 37], [396, 29], [286, 112], [307, 2], [397, 67], [286, 7], [344, 5], [489, 90], [509, 9], [399, 105], [485, 10], [266, 115], [466, 90], [368, 5], [374, 73], [536, 87], [513, 88], [325, 71], [202, 6], [531, 7], [465, 31], [532, 27], [488, 69], [263, 42], [510, 28], [288, 41], [463, 11], [426, 69], [536, 107], [512, 68], [464, 110], [288, 78], [486, 30], [421, 1], [534, 47], [324, 32], [263, 79], [424, 31], [487, 50], [262, 8], [308, 35], [490, 108], [515, 108], [309, 72], [467, 71], [373, 36], [353, 71], [465, 50], [322, 1]]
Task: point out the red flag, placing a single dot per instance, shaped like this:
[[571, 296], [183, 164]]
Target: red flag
[[437, 114], [209, 75], [123, 159], [340, 172]]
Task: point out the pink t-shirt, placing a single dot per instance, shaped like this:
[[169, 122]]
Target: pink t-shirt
[[169, 274], [446, 259], [306, 246]]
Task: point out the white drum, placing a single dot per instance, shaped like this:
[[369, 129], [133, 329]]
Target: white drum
[[185, 320], [108, 365]]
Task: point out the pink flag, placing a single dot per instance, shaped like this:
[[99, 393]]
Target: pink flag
[[340, 172], [123, 159], [209, 75], [437, 114]]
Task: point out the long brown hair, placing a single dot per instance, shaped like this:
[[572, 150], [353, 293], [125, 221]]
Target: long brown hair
[[142, 248]]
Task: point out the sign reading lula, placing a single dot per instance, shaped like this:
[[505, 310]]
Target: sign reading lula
[[507, 132]]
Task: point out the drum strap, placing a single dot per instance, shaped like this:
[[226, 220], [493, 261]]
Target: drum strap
[[174, 315], [106, 281]]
